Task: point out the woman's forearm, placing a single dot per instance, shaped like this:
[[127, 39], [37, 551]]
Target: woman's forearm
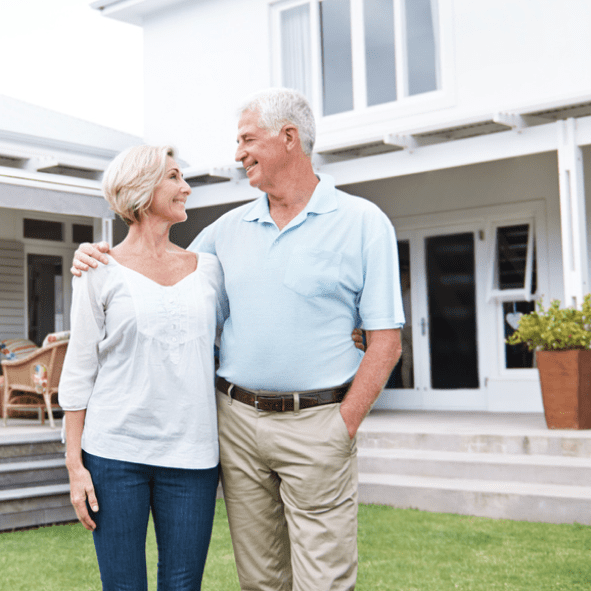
[[74, 427]]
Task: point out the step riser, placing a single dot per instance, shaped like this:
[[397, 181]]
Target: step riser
[[498, 506], [36, 477], [34, 502], [37, 517], [566, 475], [570, 446], [37, 450]]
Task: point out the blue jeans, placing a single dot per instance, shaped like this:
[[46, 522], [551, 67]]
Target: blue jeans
[[182, 504]]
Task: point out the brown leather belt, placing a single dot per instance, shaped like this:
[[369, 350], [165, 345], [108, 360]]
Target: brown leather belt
[[282, 401]]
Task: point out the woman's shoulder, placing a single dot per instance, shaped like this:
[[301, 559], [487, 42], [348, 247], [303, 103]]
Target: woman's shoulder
[[207, 258], [208, 261], [210, 265]]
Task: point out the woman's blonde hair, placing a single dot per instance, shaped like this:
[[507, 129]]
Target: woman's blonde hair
[[130, 180]]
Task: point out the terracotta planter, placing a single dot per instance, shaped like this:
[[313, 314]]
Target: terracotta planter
[[565, 377]]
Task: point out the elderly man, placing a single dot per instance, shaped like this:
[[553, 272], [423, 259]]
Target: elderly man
[[303, 264]]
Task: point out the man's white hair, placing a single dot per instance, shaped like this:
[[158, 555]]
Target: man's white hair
[[277, 107]]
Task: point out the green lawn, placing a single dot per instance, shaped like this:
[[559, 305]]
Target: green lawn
[[399, 550]]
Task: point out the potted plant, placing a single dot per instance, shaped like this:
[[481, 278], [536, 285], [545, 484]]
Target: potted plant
[[561, 338]]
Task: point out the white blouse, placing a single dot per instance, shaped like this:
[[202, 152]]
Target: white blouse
[[141, 362]]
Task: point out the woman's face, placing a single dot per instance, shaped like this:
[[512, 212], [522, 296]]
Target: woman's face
[[170, 195]]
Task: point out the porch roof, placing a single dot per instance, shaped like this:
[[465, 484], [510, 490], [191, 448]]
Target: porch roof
[[47, 162], [510, 133], [131, 11]]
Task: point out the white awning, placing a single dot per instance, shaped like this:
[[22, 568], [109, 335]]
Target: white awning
[[14, 196]]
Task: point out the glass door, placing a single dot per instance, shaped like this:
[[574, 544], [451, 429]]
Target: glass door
[[440, 367]]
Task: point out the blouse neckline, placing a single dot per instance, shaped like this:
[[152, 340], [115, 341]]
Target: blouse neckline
[[152, 280]]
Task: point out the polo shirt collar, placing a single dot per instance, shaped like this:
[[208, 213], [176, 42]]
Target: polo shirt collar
[[323, 200]]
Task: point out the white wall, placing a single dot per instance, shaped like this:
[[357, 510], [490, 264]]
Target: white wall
[[511, 52], [200, 58]]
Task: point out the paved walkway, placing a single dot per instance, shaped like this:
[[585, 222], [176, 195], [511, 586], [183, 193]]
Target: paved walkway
[[23, 429]]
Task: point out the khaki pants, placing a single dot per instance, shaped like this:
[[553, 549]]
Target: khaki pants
[[290, 487]]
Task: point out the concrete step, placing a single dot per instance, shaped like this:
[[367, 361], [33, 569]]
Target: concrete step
[[540, 469], [33, 473], [550, 503], [36, 446], [560, 443], [35, 506]]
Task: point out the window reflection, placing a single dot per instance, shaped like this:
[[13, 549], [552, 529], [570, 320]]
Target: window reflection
[[337, 70], [379, 51], [421, 46]]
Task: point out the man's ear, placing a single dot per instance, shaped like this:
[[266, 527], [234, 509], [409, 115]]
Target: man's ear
[[291, 135]]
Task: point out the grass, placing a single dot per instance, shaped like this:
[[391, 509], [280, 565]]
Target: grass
[[399, 550]]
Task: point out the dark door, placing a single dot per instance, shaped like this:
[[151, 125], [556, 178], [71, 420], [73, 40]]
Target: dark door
[[452, 311], [44, 294]]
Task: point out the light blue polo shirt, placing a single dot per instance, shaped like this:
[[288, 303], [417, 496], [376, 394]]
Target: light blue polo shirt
[[295, 295]]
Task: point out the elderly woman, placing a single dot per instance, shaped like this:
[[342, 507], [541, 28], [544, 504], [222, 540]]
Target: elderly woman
[[138, 385]]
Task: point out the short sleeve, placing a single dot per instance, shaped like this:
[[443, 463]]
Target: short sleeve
[[380, 301]]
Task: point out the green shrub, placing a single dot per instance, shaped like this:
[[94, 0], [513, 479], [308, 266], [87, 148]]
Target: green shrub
[[555, 328]]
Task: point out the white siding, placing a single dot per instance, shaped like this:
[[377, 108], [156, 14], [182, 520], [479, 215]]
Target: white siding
[[12, 301]]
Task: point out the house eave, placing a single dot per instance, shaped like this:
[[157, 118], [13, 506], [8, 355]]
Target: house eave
[[131, 11]]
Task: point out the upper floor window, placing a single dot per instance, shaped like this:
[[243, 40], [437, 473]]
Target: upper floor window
[[347, 55]]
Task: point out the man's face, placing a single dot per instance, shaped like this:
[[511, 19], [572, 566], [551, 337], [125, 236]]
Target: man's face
[[261, 153]]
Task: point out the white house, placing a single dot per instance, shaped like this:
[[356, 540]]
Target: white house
[[468, 123], [50, 201]]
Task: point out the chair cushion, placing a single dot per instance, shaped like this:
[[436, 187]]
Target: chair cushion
[[54, 337], [40, 378], [12, 349]]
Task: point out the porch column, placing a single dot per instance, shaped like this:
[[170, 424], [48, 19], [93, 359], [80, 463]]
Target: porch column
[[108, 230], [572, 215]]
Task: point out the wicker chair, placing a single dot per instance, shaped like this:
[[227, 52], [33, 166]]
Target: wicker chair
[[20, 391]]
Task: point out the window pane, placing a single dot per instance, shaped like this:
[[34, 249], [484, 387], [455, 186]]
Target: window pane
[[82, 233], [379, 51], [512, 256], [516, 356], [337, 70], [296, 49], [421, 46], [43, 230]]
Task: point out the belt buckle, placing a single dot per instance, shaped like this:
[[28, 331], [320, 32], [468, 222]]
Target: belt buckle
[[256, 403]]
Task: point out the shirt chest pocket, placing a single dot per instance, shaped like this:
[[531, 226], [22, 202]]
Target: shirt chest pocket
[[312, 272]]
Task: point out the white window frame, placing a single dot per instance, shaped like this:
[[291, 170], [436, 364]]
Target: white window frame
[[532, 213], [362, 114], [518, 294]]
